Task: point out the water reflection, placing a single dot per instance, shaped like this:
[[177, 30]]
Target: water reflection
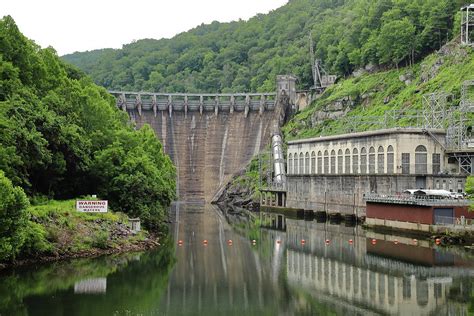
[[127, 284], [338, 270], [217, 277], [91, 286], [357, 274]]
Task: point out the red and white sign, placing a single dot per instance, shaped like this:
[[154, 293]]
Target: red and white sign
[[92, 206]]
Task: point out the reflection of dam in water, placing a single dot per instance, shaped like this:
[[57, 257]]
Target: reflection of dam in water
[[364, 278], [216, 278]]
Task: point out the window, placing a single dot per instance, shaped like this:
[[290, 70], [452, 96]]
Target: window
[[306, 163], [340, 157], [301, 163], [295, 164], [290, 164], [363, 160], [406, 288], [355, 161], [436, 163], [326, 162], [380, 161], [347, 162], [372, 160], [405, 163], [390, 162], [320, 162], [313, 162], [421, 160], [333, 161]]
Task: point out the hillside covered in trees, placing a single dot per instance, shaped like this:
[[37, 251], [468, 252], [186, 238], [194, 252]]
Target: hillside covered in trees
[[62, 137], [247, 55]]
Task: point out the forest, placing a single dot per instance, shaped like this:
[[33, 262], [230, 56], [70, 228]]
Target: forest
[[245, 56], [62, 137]]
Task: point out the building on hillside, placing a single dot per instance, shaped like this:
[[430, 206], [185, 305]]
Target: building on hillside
[[333, 173]]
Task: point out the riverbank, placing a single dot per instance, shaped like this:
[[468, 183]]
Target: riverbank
[[56, 231]]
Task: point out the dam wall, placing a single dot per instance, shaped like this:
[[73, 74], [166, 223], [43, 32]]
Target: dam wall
[[209, 148]]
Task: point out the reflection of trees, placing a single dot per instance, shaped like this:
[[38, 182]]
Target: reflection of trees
[[132, 285]]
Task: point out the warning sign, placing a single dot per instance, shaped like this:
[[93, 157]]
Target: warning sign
[[92, 206]]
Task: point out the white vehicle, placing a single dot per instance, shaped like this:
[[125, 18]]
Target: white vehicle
[[455, 195]]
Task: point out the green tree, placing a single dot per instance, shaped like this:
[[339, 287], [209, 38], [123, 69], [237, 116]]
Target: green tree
[[470, 185], [13, 218], [396, 41]]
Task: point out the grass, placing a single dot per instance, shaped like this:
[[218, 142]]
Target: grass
[[55, 227]]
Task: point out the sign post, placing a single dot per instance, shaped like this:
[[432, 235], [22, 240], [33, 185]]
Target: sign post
[[92, 206]]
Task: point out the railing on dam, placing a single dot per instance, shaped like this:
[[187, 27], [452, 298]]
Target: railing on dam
[[202, 102]]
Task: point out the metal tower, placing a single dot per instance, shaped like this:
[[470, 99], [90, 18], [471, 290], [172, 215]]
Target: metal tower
[[435, 109], [467, 25], [321, 80]]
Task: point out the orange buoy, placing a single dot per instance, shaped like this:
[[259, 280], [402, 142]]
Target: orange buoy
[[303, 241], [180, 242], [327, 241], [205, 242], [351, 241], [438, 241]]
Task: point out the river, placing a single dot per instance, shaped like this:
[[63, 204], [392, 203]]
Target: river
[[226, 262]]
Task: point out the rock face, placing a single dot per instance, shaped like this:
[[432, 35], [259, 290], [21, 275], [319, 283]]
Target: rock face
[[239, 195], [452, 49], [333, 110], [209, 149]]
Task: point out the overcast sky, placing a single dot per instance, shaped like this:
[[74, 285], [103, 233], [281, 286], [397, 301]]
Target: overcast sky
[[81, 25]]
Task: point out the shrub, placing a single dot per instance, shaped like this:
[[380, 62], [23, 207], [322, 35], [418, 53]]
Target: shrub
[[13, 218], [35, 240]]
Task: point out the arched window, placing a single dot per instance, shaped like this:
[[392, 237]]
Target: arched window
[[355, 161], [390, 159], [306, 163], [363, 160], [320, 162], [371, 160], [340, 165], [326, 162], [313, 162], [296, 169], [380, 160], [290, 164], [333, 161], [301, 163], [347, 162], [421, 160]]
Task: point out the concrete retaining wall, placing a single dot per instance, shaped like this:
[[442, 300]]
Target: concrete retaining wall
[[344, 193]]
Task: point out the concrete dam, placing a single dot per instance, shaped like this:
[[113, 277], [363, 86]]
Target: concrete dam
[[209, 137]]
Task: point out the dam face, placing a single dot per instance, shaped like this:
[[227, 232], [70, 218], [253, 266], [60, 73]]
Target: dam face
[[208, 149]]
